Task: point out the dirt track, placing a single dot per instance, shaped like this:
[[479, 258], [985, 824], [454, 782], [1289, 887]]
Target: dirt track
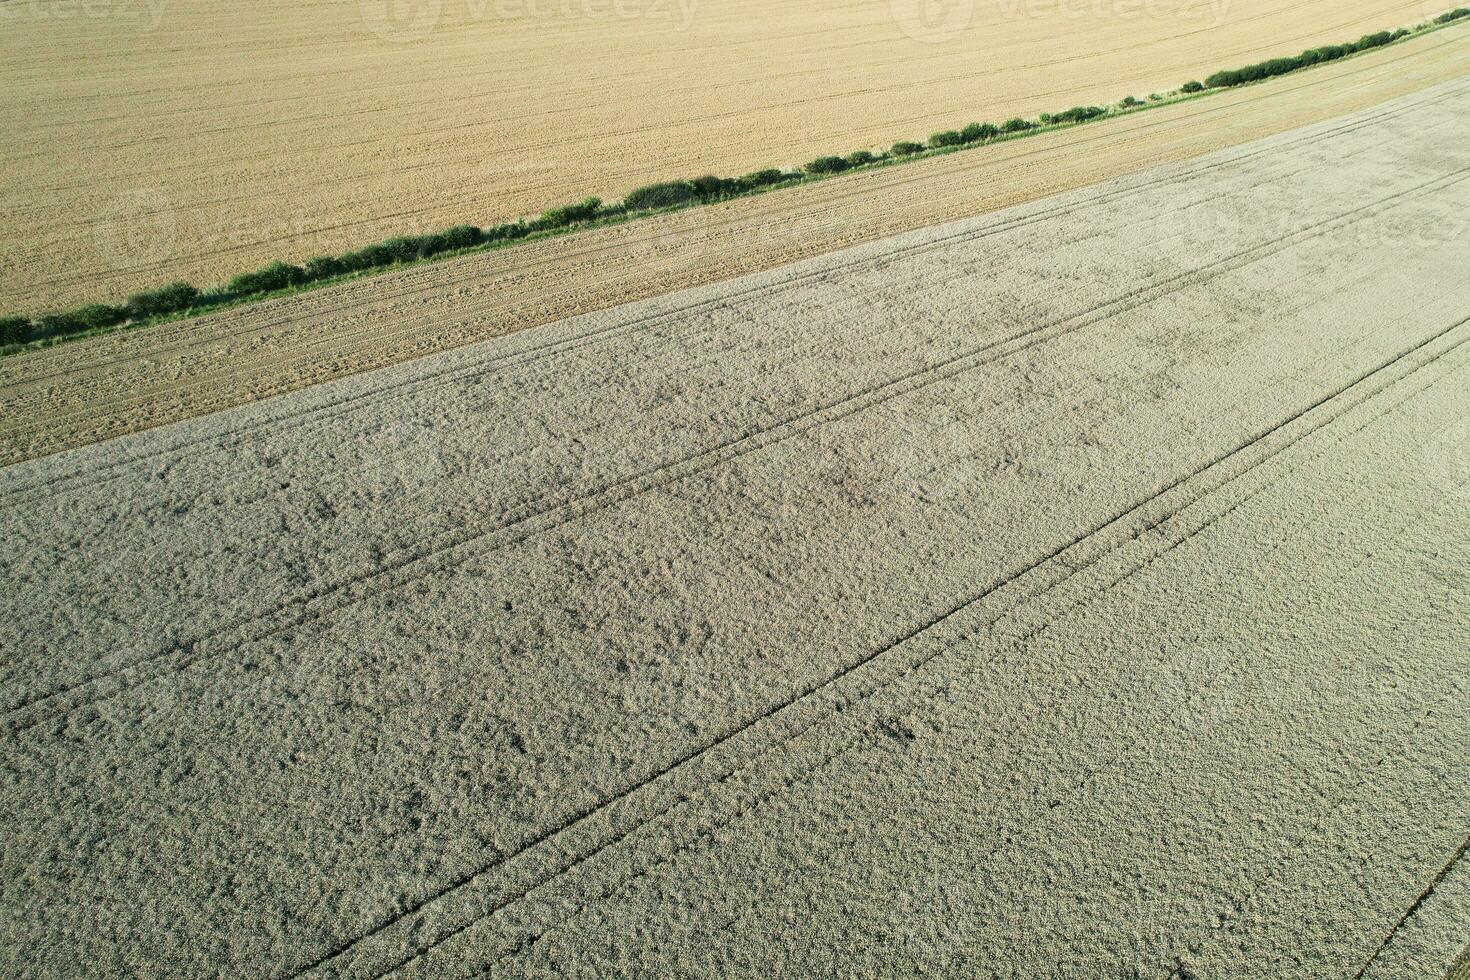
[[1082, 583], [90, 390], [147, 140]]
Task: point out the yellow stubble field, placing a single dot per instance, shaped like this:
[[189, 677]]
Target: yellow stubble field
[[148, 140]]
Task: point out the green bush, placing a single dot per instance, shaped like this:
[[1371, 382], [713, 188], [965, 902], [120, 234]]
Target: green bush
[[905, 148], [1044, 118], [277, 275], [710, 187], [1281, 66], [173, 298], [1192, 87], [1080, 113], [1129, 102], [462, 236], [760, 178], [976, 132], [401, 248], [826, 165], [1016, 125], [660, 196], [506, 233], [97, 315], [324, 267], [1451, 15], [370, 257], [859, 157], [567, 215], [949, 137], [52, 324], [429, 245], [92, 317], [14, 329]]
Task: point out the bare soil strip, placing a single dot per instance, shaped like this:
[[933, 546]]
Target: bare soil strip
[[147, 141], [1073, 589], [98, 388]]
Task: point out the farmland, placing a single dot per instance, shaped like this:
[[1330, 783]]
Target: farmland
[[1072, 589], [202, 140], [99, 387]]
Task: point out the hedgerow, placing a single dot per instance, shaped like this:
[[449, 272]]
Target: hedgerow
[[664, 195], [1079, 113], [583, 210], [827, 165], [182, 298], [172, 298], [15, 329], [1311, 56], [975, 132]]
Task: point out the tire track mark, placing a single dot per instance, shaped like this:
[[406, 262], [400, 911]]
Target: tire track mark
[[915, 700], [923, 628], [1418, 903]]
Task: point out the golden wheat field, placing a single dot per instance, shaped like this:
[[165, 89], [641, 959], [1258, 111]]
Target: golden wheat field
[[147, 140]]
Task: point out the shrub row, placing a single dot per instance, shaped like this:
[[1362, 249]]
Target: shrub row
[[700, 190], [1309, 57], [181, 297], [173, 298], [1452, 15]]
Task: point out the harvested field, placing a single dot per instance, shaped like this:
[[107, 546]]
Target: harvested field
[[100, 387], [1081, 584], [148, 141]]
